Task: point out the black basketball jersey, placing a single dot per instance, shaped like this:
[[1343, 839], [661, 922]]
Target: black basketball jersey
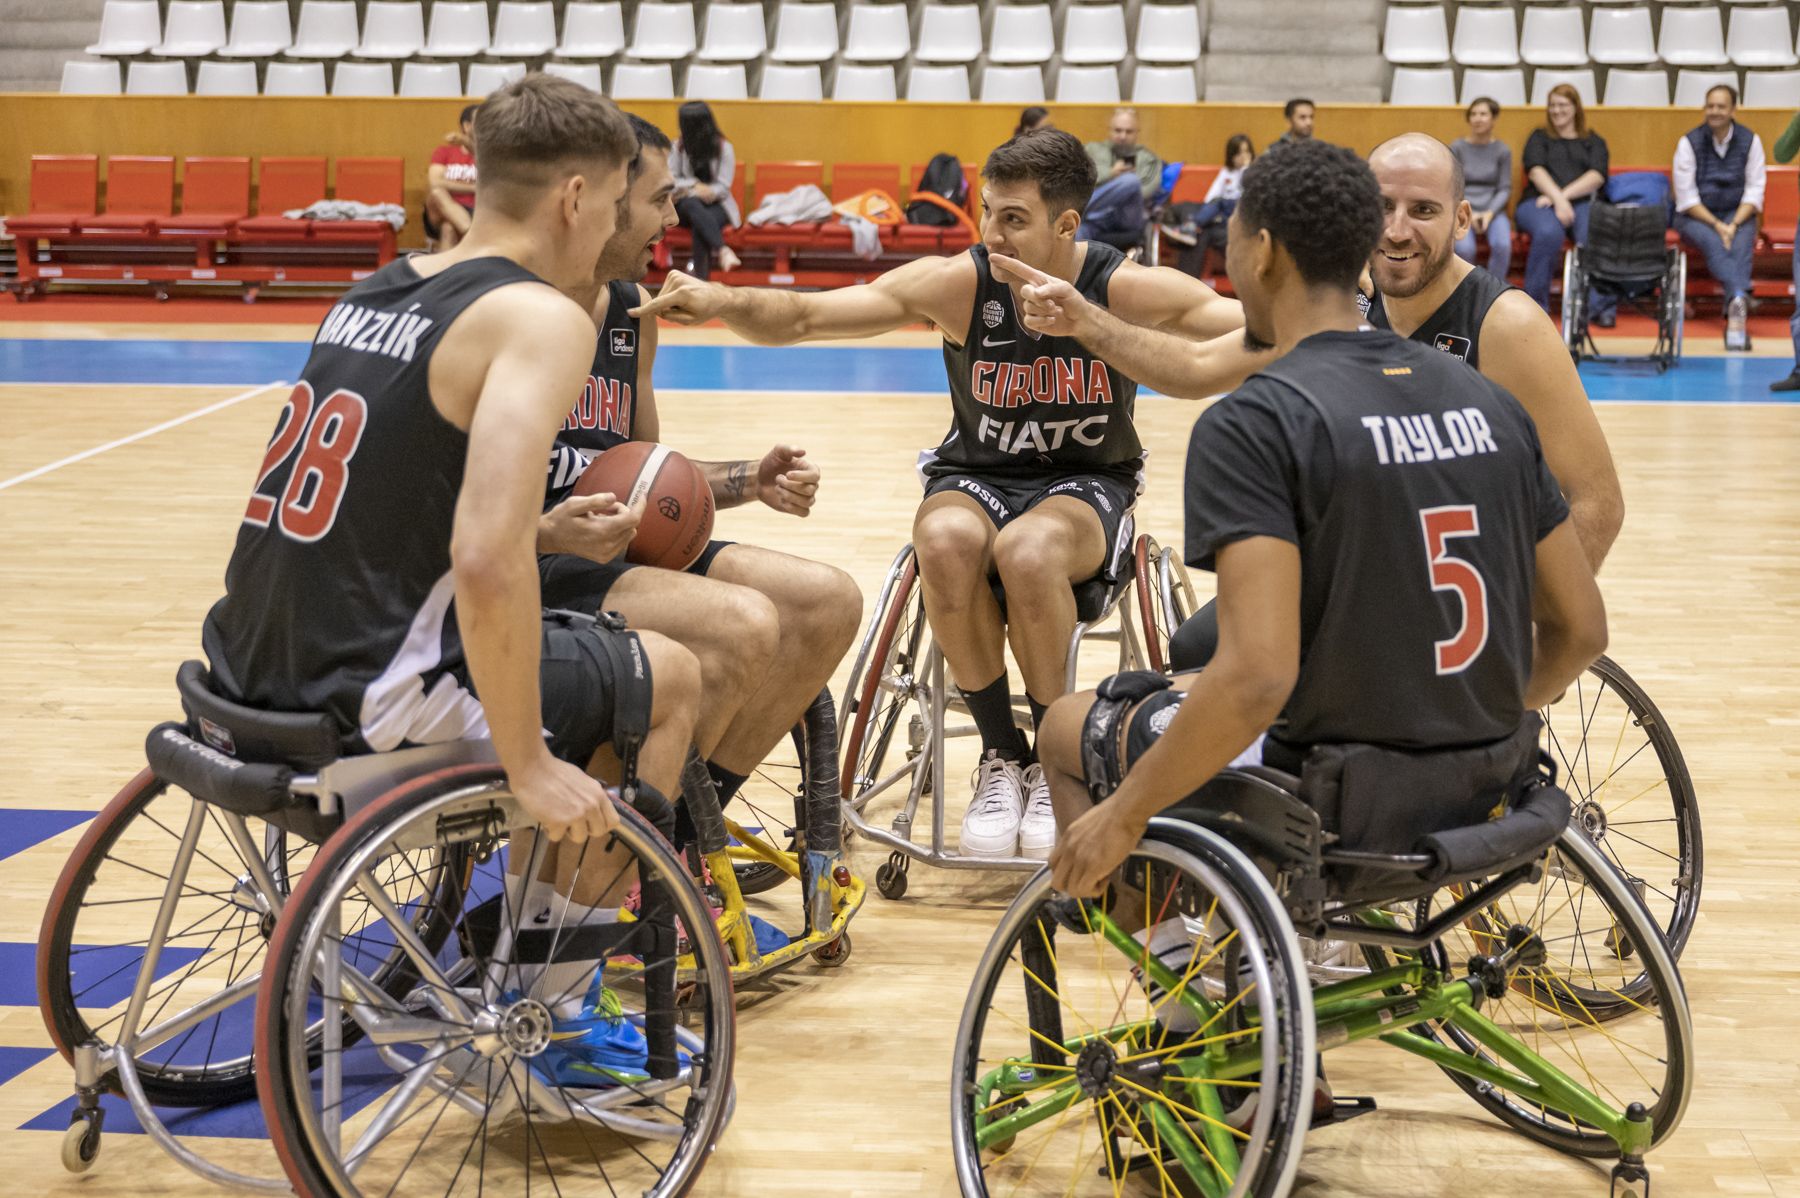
[[1455, 328], [1023, 403], [338, 594], [1416, 492], [602, 417]]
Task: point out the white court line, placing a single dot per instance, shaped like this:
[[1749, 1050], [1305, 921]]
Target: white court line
[[85, 454]]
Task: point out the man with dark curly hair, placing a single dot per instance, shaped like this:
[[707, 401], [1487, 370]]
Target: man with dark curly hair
[[1385, 532]]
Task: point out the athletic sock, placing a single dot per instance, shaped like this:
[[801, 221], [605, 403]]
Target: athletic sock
[[1037, 716], [563, 985], [526, 912], [991, 708], [725, 782]]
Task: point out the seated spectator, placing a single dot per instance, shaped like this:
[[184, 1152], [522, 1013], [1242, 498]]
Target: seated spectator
[[1033, 118], [1299, 113], [703, 166], [450, 184], [1487, 184], [1130, 177], [1203, 226], [1786, 146], [1565, 168], [1719, 177]]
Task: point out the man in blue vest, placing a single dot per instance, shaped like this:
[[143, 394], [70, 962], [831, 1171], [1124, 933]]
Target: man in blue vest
[[1719, 176]]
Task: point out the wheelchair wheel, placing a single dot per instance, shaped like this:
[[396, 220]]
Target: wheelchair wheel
[[192, 1044], [1165, 598], [1579, 910], [1574, 302], [770, 794], [1069, 1075], [1633, 796], [1675, 304], [446, 1094], [880, 687]]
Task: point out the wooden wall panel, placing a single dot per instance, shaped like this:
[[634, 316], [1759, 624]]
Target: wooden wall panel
[[905, 133]]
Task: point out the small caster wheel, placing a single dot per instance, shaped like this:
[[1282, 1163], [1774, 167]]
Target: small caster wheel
[[998, 1112], [890, 880], [80, 1146], [162, 295], [1630, 1179], [835, 953]]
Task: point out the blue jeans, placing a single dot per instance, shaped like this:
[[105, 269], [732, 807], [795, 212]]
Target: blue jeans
[[1116, 213], [1499, 241], [1728, 264]]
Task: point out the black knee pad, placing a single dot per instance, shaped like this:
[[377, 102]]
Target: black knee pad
[[1117, 696]]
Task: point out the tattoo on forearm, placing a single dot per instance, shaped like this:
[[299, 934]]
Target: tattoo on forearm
[[737, 477]]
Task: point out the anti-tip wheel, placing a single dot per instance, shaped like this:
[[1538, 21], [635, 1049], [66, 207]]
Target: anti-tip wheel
[[80, 1146], [890, 881], [835, 953]]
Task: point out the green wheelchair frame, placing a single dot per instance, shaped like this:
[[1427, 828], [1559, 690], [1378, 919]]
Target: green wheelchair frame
[[1171, 1101]]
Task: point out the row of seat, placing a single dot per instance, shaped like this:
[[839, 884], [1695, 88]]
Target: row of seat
[[1568, 37], [804, 31], [216, 236], [1437, 86], [212, 78]]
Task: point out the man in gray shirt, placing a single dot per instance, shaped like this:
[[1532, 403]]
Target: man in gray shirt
[[1487, 185]]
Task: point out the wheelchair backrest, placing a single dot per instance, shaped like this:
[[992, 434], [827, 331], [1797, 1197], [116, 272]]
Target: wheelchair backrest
[[1626, 243], [304, 740]]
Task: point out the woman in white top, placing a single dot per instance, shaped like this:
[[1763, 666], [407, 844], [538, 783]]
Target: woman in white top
[[703, 165], [1207, 227]]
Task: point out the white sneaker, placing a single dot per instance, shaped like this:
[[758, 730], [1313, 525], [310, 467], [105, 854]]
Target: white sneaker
[[1037, 831], [990, 826]]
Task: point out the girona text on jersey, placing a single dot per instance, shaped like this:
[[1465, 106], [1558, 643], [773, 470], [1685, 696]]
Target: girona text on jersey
[[605, 404], [393, 334], [1419, 438], [1050, 381]]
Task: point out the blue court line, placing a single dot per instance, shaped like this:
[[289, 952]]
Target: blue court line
[[829, 369], [101, 974], [21, 828], [14, 1061]]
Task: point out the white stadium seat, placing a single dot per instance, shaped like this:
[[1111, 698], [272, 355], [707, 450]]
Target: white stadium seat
[[486, 78], [1093, 33], [643, 81], [1485, 37], [1168, 33], [592, 31], [1580, 78], [128, 27], [734, 33], [1164, 85], [294, 79], [524, 29], [156, 79], [1020, 34], [1505, 85], [1761, 37], [1691, 37], [877, 33], [392, 29], [949, 33], [459, 29], [1013, 84], [585, 73], [1620, 35], [326, 29], [193, 28], [436, 79], [805, 33], [791, 82], [1554, 37], [90, 79], [663, 32], [1772, 89], [1423, 86], [716, 81], [1087, 85], [1691, 86], [869, 82], [362, 79], [226, 79], [938, 84], [259, 29], [1416, 34], [1637, 89]]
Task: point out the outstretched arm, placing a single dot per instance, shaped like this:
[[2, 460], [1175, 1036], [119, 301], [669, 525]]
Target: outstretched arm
[[784, 479], [1167, 362], [926, 289]]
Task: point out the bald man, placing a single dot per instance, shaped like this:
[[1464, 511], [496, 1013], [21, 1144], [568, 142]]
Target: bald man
[[1130, 177], [1423, 291]]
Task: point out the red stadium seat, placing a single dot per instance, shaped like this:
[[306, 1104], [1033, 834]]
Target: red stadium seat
[[64, 188], [286, 184], [679, 240], [1781, 208], [773, 178], [138, 190], [215, 195], [932, 239], [849, 179], [1192, 184]]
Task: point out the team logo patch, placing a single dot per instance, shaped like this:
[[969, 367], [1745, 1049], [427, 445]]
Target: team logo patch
[[1456, 347], [218, 737], [992, 314], [1162, 717], [624, 343], [669, 506]]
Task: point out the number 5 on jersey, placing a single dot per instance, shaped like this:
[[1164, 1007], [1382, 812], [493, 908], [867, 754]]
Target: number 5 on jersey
[[1448, 573], [331, 431]]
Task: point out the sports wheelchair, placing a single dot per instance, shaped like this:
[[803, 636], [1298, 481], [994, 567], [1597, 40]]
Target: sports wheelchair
[[278, 921], [1626, 255], [899, 674], [1173, 1028], [1618, 759]]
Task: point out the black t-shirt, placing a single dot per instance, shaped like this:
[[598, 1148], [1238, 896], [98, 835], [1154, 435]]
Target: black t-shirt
[[1416, 492], [1566, 158], [602, 416]]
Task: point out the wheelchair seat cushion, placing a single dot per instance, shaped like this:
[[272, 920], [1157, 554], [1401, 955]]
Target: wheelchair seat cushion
[[304, 740]]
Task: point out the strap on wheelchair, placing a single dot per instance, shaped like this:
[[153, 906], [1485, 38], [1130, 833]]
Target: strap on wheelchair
[[1117, 695], [700, 801], [630, 671]]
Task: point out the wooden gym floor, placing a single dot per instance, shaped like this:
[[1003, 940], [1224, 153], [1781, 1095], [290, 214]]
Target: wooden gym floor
[[110, 561]]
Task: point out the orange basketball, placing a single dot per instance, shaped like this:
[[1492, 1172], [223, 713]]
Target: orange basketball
[[678, 502]]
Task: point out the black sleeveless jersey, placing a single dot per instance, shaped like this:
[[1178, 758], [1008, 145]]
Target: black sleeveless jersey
[[1455, 328], [1025, 404], [1416, 492], [338, 594], [602, 416]]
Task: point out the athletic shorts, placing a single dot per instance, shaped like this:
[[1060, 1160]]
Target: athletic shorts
[[574, 583], [1004, 500], [581, 683]]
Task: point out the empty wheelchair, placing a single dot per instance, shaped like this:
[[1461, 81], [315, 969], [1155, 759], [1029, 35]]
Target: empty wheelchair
[[897, 709], [1169, 1032], [1626, 256], [160, 928]]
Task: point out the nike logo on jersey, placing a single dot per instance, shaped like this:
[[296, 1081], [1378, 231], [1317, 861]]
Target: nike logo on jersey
[[990, 343], [1416, 438]]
